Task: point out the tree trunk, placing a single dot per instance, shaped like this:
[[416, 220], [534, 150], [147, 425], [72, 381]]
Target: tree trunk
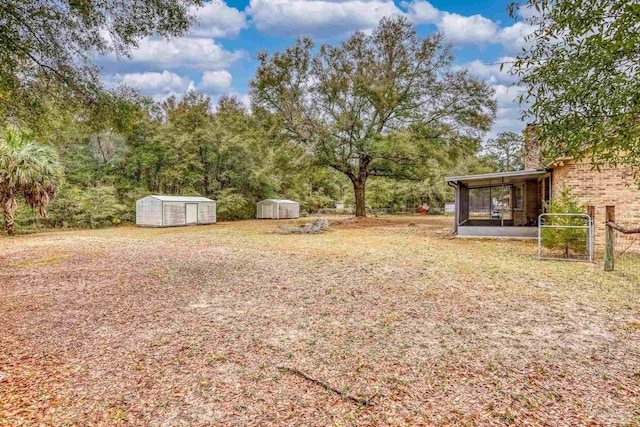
[[358, 188], [205, 172], [9, 208], [205, 184]]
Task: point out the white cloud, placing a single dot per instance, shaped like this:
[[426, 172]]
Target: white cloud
[[422, 12], [155, 82], [192, 53], [490, 72], [513, 37], [322, 18], [216, 81], [507, 95], [508, 114], [217, 20], [506, 90], [319, 18], [245, 98], [466, 30], [526, 11], [476, 29], [157, 85]]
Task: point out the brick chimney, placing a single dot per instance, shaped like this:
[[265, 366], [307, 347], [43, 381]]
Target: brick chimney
[[531, 148]]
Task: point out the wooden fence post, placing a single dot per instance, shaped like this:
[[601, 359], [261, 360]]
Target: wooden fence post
[[610, 242]]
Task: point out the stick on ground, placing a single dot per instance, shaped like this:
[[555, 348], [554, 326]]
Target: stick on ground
[[357, 400]]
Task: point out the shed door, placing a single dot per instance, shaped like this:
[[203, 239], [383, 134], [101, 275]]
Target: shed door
[[192, 213], [267, 211]]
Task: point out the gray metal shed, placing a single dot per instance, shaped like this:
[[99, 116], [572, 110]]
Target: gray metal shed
[[277, 209], [173, 211]]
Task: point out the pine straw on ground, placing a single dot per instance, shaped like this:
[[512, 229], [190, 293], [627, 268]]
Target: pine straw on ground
[[233, 325], [367, 222]]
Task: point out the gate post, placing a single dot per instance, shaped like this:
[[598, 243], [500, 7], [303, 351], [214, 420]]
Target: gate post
[[591, 211], [610, 242]]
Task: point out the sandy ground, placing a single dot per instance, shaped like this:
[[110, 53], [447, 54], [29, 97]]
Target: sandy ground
[[388, 322]]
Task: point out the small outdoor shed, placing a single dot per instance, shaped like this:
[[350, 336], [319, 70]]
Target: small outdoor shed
[[173, 211], [278, 209]]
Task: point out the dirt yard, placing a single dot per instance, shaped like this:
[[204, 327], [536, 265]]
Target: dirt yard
[[390, 322]]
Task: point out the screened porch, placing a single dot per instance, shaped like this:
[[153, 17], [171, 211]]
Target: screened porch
[[503, 204]]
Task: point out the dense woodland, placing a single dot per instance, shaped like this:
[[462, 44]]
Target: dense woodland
[[125, 147], [376, 121]]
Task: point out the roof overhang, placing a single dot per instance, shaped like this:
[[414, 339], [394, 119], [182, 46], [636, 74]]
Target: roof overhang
[[496, 179]]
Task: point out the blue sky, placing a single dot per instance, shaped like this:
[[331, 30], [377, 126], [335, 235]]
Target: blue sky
[[218, 55]]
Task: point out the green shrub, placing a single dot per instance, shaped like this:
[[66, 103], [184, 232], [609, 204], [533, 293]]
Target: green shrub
[[316, 201], [91, 207], [232, 205], [570, 241]]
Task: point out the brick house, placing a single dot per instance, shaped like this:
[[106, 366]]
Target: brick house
[[607, 187], [508, 204]]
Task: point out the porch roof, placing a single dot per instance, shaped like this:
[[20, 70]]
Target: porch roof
[[499, 178]]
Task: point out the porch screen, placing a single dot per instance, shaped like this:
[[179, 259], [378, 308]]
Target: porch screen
[[480, 202], [490, 203]]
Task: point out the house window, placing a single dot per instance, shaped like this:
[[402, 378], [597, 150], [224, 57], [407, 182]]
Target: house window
[[519, 199]]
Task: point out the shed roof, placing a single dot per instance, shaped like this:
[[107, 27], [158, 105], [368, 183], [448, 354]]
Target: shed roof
[[486, 179], [181, 198], [279, 201]]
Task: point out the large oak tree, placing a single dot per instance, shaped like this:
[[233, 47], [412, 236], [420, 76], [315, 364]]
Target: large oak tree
[[375, 105]]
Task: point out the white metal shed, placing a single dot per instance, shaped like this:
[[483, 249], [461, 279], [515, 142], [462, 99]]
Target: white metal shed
[[277, 209], [173, 211]]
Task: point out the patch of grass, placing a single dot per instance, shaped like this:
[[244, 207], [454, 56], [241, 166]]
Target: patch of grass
[[632, 326], [41, 262]]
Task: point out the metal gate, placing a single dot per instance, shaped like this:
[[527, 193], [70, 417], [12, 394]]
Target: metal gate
[[565, 237]]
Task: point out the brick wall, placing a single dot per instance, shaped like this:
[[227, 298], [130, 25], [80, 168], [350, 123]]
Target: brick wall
[[609, 186], [531, 149], [519, 218]]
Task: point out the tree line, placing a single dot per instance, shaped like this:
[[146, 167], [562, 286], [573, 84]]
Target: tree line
[[101, 159], [374, 121], [384, 112]]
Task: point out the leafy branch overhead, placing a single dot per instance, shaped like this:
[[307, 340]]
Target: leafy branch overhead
[[48, 46], [582, 76], [374, 105]]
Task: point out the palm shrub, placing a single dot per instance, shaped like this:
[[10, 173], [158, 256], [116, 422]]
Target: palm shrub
[[567, 240], [29, 171]]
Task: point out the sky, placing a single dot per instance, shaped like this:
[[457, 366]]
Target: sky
[[218, 55]]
